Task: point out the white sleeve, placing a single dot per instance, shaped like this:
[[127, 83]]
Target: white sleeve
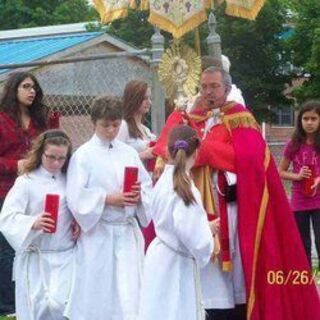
[[143, 208], [15, 223], [123, 134], [192, 229], [86, 203]]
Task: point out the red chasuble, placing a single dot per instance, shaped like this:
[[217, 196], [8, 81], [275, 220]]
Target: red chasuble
[[278, 280]]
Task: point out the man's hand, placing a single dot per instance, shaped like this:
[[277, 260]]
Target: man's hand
[[125, 199], [214, 226]]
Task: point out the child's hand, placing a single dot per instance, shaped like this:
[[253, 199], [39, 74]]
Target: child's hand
[[304, 172], [43, 222], [75, 230], [123, 199], [316, 184], [136, 191], [214, 226]]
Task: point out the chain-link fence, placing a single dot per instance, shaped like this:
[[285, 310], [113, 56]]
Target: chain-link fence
[[69, 88]]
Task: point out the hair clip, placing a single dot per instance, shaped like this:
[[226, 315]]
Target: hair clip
[[181, 144]]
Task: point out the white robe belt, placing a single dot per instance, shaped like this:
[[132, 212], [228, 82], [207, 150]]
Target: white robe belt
[[52, 304], [132, 221]]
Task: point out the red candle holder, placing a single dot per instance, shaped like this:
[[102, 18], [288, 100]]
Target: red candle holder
[[151, 163], [130, 178], [54, 120], [52, 207], [309, 182]]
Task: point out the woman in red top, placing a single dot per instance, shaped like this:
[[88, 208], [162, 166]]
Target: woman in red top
[[22, 117]]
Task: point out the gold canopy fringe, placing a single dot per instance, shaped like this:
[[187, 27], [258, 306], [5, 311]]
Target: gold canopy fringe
[[112, 14], [246, 13], [144, 5], [177, 31], [99, 5], [133, 4], [207, 4]]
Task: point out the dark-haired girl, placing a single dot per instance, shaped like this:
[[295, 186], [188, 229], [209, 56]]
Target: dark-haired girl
[[22, 117], [303, 151]]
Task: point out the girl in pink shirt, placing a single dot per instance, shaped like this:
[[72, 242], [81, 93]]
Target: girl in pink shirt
[[303, 151]]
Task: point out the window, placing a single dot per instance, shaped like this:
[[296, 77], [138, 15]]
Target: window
[[283, 116]]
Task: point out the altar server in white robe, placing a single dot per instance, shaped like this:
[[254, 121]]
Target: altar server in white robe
[[184, 238], [110, 249], [44, 261]]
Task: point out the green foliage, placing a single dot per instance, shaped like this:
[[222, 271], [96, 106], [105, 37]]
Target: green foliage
[[24, 13], [134, 29], [254, 48], [306, 47]]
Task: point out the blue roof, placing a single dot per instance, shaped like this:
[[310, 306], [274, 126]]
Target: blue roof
[[35, 48]]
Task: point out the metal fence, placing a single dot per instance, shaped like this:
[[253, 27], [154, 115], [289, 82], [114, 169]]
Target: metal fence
[[70, 85]]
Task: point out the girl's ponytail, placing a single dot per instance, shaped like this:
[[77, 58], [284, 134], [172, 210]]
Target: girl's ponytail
[[182, 143]]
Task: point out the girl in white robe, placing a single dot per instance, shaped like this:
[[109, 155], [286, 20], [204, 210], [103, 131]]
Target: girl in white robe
[[184, 239], [44, 261], [136, 106], [110, 249]]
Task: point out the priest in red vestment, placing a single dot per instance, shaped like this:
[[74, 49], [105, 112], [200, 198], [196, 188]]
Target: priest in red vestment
[[278, 283]]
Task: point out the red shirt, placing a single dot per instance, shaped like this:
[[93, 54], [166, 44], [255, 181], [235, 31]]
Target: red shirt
[[14, 144]]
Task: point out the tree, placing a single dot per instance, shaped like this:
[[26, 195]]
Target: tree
[[23, 13], [134, 29], [305, 46], [253, 47]]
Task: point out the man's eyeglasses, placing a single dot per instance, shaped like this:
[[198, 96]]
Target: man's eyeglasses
[[53, 158]]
